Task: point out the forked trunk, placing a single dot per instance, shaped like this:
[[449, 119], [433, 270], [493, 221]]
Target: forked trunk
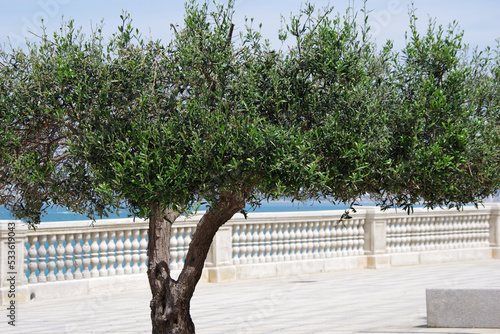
[[169, 313], [170, 304]]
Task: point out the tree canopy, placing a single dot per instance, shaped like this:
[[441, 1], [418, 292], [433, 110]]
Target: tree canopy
[[91, 124]]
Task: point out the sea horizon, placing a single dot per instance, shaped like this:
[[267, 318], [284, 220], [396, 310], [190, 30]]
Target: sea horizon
[[62, 214]]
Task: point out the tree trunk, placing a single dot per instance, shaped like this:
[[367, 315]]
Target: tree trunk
[[169, 314], [170, 305]]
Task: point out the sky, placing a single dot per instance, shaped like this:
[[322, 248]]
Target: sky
[[389, 19]]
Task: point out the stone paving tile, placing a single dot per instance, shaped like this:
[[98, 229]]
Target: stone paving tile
[[384, 301]]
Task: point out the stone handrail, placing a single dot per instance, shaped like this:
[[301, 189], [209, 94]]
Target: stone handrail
[[74, 254]]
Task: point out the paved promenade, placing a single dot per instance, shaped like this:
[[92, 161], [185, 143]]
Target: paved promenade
[[356, 301]]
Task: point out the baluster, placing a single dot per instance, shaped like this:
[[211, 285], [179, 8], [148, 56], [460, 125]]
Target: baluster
[[438, 234], [249, 243], [278, 236], [51, 252], [396, 240], [303, 241], [253, 247], [261, 243], [299, 241], [296, 246], [32, 265], [432, 234], [135, 252], [242, 256], [448, 238], [353, 238], [486, 231], [78, 257], [235, 244], [103, 254], [416, 236], [180, 248], [350, 238], [459, 231], [322, 240], [468, 226], [397, 235], [361, 238], [255, 242], [187, 241], [316, 240], [310, 240], [173, 249], [423, 234], [253, 237], [69, 262], [328, 239], [401, 236], [475, 236], [94, 255], [335, 232], [60, 257], [111, 254], [86, 255], [455, 233], [406, 234], [119, 253], [389, 239], [42, 258], [267, 242], [345, 241], [144, 251], [127, 251], [287, 241], [451, 241]]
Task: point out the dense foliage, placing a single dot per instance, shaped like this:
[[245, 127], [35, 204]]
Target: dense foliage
[[91, 125], [94, 125]]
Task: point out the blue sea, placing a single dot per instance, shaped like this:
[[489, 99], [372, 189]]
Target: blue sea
[[62, 214]]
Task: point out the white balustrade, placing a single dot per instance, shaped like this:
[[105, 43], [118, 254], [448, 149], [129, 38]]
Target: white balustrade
[[449, 230], [291, 241], [61, 252]]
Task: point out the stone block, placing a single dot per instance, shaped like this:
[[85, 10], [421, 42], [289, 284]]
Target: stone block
[[299, 267], [345, 263], [256, 270], [379, 261], [405, 259], [463, 308], [218, 275]]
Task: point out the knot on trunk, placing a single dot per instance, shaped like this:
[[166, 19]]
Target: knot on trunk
[[162, 271]]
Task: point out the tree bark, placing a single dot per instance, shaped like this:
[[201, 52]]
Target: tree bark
[[168, 313], [170, 304]]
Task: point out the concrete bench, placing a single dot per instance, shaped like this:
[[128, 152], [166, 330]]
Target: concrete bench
[[463, 308]]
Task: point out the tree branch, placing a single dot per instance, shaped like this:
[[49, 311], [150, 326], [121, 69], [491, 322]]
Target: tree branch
[[60, 157]]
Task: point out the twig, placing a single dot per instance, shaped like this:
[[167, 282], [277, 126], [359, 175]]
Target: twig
[[42, 38]]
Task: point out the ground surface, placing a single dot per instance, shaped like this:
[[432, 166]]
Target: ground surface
[[356, 301]]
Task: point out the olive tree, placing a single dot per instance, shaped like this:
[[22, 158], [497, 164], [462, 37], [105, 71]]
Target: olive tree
[[95, 125]]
